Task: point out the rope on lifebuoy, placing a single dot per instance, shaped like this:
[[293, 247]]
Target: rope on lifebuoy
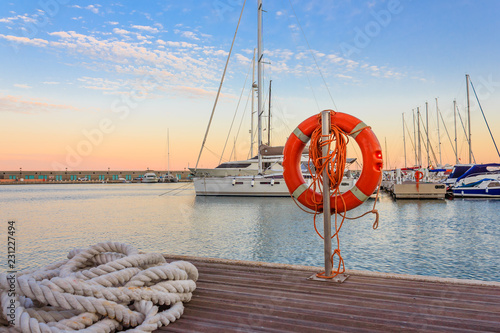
[[104, 288]]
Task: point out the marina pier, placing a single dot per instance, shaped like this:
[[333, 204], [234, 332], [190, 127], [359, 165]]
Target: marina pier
[[242, 296]]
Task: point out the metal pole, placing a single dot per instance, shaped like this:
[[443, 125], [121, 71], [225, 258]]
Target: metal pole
[[439, 137], [387, 155], [259, 83], [404, 139], [419, 144], [269, 117], [427, 131], [168, 154], [455, 120], [253, 107], [327, 216], [468, 115], [414, 137]]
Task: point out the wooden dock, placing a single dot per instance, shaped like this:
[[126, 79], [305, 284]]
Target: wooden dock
[[235, 296]]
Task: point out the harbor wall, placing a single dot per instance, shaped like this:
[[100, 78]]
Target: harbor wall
[[22, 176]]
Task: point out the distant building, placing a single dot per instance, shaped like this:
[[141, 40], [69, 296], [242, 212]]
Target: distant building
[[90, 176]]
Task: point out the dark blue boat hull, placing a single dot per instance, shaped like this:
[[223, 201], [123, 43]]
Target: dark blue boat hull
[[477, 193]]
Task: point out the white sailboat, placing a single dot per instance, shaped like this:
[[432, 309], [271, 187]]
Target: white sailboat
[[259, 176]]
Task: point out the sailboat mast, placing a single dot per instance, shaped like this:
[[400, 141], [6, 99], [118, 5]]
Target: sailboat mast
[[419, 152], [427, 131], [414, 137], [269, 117], [168, 153], [439, 137], [253, 106], [386, 156], [468, 115], [404, 139], [259, 82], [455, 121]]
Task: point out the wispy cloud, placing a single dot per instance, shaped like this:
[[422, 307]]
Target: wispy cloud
[[24, 105], [22, 86], [187, 34], [175, 44], [24, 18], [25, 40], [241, 58], [121, 31], [146, 28], [192, 92], [93, 8]]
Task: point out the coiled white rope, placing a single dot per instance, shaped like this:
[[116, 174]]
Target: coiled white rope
[[107, 287]]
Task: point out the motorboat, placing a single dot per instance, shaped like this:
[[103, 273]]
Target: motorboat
[[169, 178], [149, 177], [482, 188]]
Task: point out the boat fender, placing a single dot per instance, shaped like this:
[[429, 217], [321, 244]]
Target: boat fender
[[252, 183], [370, 174], [234, 181], [272, 182]]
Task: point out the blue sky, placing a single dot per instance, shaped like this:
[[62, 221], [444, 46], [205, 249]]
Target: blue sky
[[95, 84]]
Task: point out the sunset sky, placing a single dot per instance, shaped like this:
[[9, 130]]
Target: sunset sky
[[97, 84]]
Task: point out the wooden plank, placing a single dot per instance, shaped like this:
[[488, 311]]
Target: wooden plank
[[244, 298]]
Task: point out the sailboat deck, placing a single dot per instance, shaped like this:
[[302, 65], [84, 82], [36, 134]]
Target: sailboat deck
[[233, 296]]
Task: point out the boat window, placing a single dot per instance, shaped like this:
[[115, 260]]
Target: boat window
[[233, 165], [494, 184], [238, 183], [265, 183]]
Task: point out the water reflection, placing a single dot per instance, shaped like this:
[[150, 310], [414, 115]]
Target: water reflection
[[443, 238]]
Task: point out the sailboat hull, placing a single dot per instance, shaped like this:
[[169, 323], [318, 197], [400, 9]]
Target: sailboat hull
[[258, 186], [239, 186]]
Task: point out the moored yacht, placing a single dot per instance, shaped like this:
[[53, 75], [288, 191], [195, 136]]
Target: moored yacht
[[483, 188], [149, 177], [263, 174]]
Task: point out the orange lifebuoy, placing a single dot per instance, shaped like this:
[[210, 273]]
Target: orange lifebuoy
[[419, 176], [370, 174]]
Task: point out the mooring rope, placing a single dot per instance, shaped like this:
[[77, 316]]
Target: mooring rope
[[107, 287]]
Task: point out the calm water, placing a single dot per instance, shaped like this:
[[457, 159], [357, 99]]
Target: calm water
[[457, 238]]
